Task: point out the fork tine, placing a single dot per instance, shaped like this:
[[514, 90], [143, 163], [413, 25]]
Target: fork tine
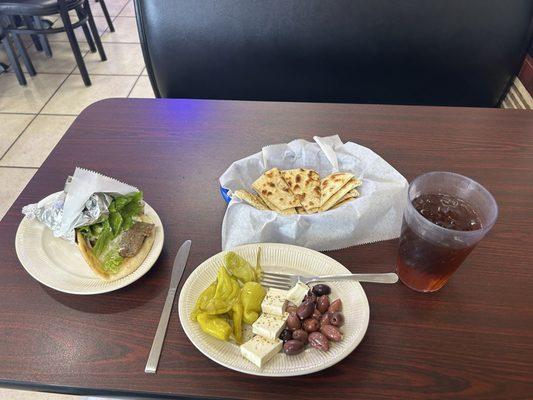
[[277, 279], [274, 286], [276, 275]]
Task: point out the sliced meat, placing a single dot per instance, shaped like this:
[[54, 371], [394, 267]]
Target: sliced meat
[[132, 240]]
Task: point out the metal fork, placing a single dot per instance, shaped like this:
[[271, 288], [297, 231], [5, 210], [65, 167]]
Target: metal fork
[[287, 281]]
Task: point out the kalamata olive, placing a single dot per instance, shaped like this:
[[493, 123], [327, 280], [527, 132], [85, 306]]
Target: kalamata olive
[[321, 289], [318, 341], [293, 322], [310, 296], [335, 306], [325, 319], [322, 303], [305, 310], [331, 332], [316, 314], [337, 319], [291, 308], [300, 335], [293, 347], [285, 335], [311, 325]]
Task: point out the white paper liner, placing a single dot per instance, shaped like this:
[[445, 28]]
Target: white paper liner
[[376, 215]]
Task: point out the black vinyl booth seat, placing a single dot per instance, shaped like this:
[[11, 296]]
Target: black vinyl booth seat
[[439, 52]]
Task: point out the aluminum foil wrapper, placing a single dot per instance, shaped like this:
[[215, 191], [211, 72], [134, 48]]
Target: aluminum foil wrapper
[[49, 211], [84, 200]]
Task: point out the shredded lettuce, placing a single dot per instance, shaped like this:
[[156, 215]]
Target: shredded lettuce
[[103, 234]]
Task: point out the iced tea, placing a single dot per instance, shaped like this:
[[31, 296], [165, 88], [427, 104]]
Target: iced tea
[[447, 216]]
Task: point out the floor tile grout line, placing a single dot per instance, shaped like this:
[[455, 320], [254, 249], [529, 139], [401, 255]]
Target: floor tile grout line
[[18, 136], [17, 167], [134, 84]]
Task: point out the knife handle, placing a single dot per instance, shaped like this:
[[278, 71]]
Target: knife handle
[[155, 351]]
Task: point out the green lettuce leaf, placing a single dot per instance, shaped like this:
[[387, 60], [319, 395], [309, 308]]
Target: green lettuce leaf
[[121, 212]]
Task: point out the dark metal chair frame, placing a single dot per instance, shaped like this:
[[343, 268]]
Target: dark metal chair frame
[[86, 21], [5, 39]]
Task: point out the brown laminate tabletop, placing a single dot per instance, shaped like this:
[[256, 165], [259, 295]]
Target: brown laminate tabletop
[[471, 340]]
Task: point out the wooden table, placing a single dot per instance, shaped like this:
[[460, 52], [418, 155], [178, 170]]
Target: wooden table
[[472, 340]]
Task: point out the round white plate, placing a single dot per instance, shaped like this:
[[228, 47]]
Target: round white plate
[[59, 264], [283, 258]]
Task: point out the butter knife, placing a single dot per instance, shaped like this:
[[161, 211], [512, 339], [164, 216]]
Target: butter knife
[[177, 271]]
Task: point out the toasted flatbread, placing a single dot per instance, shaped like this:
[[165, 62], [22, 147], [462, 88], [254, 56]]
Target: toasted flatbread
[[342, 203], [305, 184], [273, 189], [129, 264], [272, 207], [301, 210], [350, 195], [252, 199], [331, 184], [337, 196]]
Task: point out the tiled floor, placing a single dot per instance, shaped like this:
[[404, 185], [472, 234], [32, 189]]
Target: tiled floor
[[34, 118]]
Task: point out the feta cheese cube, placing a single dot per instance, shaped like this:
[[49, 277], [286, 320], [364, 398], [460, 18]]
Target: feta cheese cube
[[269, 325], [260, 350], [274, 302], [297, 293]]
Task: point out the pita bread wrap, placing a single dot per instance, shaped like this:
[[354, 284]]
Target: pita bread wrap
[[273, 189], [129, 264], [305, 184]]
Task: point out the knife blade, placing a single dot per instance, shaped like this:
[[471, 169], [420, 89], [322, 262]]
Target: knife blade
[[177, 272]]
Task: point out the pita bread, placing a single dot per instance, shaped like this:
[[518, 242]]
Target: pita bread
[[350, 195], [337, 196], [301, 210], [305, 184], [129, 264], [271, 186], [342, 203], [252, 199], [331, 184]]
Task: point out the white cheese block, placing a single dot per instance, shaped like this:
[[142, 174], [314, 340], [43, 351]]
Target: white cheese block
[[297, 293], [269, 325], [260, 350], [274, 302]]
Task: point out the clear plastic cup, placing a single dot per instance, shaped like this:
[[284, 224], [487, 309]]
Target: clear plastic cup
[[428, 253]]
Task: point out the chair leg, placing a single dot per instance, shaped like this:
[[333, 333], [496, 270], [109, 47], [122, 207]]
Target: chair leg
[[45, 44], [14, 60], [22, 52], [87, 33], [94, 30], [107, 17], [34, 38], [67, 24]]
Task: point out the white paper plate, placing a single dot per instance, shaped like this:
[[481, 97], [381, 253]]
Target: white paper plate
[[59, 264], [282, 258]]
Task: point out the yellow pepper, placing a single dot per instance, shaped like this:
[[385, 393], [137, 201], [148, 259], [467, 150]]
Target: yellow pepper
[[226, 294], [203, 299], [214, 325], [239, 267], [236, 317], [252, 294]]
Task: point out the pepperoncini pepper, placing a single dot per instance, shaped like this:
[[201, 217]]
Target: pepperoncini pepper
[[203, 299], [239, 267], [214, 325], [236, 316], [226, 294], [252, 294]]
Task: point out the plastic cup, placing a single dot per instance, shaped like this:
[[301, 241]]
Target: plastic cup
[[429, 254]]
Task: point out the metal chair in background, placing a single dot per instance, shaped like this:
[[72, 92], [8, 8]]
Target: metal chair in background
[[38, 8], [6, 41]]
